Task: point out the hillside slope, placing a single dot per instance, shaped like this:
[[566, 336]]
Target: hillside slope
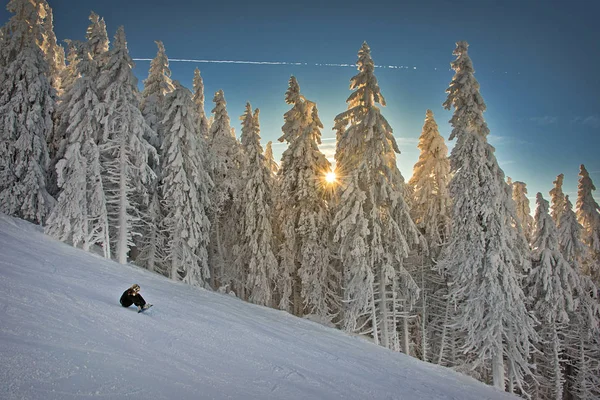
[[63, 335]]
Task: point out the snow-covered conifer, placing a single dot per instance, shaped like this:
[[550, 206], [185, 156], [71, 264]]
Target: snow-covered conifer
[[481, 258], [305, 281], [431, 174], [53, 52], [430, 209], [557, 198], [226, 152], [80, 216], [156, 86], [124, 151], [185, 186], [256, 260], [26, 107], [198, 98], [553, 285], [270, 160], [519, 196], [97, 37], [588, 214], [377, 286]]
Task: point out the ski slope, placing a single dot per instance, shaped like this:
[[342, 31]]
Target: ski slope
[[63, 335]]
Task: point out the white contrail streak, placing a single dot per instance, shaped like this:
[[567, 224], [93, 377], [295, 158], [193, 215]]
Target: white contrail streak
[[274, 63]]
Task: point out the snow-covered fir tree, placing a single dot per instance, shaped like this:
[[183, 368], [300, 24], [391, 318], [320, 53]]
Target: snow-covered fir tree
[[198, 98], [552, 287], [124, 151], [97, 38], [431, 175], [373, 230], [306, 282], [255, 259], [156, 86], [583, 346], [481, 259], [80, 216], [557, 199], [519, 196], [227, 156], [26, 107], [150, 244], [184, 188], [53, 52], [588, 214], [430, 209], [270, 160]]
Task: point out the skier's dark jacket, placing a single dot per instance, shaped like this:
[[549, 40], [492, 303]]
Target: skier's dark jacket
[[129, 297]]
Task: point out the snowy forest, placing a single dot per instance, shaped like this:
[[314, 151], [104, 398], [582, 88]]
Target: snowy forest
[[451, 267]]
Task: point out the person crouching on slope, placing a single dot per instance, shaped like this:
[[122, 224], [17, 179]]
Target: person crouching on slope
[[133, 296]]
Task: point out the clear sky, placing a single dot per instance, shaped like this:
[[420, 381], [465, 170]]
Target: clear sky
[[537, 62]]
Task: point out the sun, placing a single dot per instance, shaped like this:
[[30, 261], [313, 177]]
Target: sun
[[330, 177]]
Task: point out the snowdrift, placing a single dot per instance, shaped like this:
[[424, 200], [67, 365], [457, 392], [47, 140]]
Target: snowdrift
[[63, 335]]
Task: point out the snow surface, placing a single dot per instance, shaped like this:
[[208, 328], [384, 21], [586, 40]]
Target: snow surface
[[63, 335]]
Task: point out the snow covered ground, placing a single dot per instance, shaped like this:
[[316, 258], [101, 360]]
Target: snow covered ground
[[63, 335]]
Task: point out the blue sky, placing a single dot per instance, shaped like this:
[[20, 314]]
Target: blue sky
[[537, 63]]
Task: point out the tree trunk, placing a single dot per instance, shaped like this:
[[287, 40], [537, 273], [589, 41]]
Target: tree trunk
[[122, 236], [498, 363]]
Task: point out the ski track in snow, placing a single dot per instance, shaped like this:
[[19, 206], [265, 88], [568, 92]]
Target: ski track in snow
[[63, 335]]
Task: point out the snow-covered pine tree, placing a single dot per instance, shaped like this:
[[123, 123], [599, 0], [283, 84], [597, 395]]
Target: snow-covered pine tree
[[431, 175], [198, 98], [156, 87], [306, 279], [53, 52], [270, 160], [552, 287], [583, 347], [80, 216], [184, 188], [373, 230], [226, 153], [124, 151], [557, 198], [480, 258], [150, 244], [255, 258], [97, 38], [588, 214], [26, 107], [519, 196], [430, 209]]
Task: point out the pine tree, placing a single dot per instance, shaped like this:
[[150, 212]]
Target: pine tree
[[255, 260], [588, 214], [226, 152], [377, 286], [124, 151], [53, 52], [583, 347], [26, 107], [306, 280], [481, 258], [151, 242], [80, 216], [523, 211], [270, 160], [156, 87], [184, 188], [198, 99], [430, 209], [557, 198], [553, 286], [97, 38]]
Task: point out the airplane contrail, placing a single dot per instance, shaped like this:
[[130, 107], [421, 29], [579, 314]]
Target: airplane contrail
[[276, 63]]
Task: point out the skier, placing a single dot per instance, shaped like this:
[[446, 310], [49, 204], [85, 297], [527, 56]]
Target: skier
[[133, 296]]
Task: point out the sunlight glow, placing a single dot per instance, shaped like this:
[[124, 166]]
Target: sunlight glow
[[330, 177]]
